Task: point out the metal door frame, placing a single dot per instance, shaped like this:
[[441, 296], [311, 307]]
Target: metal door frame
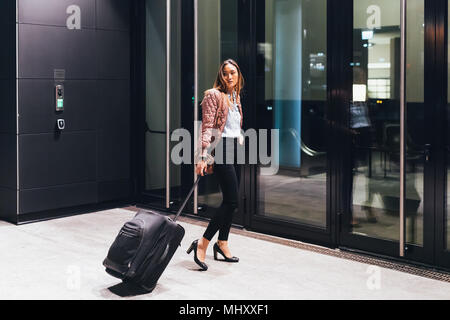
[[442, 156]]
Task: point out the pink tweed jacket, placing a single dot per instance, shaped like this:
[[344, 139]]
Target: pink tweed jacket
[[215, 107]]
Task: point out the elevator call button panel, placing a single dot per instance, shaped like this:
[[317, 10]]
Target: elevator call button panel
[[59, 91]]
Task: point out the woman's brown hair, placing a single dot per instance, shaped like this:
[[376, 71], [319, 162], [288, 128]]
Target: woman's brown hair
[[220, 83]]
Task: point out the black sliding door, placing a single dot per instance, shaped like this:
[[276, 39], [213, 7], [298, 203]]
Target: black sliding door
[[390, 151], [345, 108]]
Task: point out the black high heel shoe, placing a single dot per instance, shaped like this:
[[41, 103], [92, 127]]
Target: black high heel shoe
[[194, 246], [217, 249]]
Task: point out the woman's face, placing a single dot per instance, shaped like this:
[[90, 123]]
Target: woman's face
[[230, 75]]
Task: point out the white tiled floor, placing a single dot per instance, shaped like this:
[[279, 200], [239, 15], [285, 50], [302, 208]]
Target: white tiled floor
[[62, 259]]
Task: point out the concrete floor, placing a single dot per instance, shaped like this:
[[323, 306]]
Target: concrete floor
[[62, 259]]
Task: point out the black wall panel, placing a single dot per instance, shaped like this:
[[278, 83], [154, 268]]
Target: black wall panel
[[8, 204], [7, 67], [37, 200], [114, 190], [113, 131], [7, 51], [56, 159], [7, 39], [113, 54], [115, 94], [7, 107], [42, 49], [113, 14], [89, 161], [37, 106], [8, 156], [8, 141], [54, 12], [113, 155], [7, 11]]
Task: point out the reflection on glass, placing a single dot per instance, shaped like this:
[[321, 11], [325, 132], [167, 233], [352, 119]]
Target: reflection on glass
[[217, 41], [415, 138], [291, 97], [155, 117], [375, 120], [155, 162]]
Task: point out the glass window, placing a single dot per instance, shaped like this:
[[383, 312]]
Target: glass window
[[217, 41], [375, 120], [155, 116], [292, 98]]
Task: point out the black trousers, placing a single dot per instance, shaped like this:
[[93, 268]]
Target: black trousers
[[228, 175]]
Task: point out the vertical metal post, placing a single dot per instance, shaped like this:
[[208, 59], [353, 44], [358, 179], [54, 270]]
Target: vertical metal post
[[196, 134], [403, 115], [168, 34], [17, 113]]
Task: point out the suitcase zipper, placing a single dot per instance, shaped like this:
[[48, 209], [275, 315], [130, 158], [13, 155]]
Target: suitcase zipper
[[140, 230]]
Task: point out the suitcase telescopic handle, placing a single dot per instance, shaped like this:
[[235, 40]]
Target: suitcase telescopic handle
[[186, 200]]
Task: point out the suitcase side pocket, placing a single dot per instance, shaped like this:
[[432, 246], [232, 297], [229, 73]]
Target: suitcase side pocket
[[124, 249]]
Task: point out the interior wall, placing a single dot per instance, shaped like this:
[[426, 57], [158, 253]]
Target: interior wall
[[85, 46]]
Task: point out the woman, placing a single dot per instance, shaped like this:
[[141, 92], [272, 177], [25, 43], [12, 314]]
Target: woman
[[222, 111]]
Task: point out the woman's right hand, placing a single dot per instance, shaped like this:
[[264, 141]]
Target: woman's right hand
[[201, 168]]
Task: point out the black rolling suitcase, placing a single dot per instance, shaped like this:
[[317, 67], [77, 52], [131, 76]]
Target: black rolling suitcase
[[144, 247]]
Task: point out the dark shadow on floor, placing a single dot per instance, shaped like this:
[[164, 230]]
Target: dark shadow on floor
[[127, 289]]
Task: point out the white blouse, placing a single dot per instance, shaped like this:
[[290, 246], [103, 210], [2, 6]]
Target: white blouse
[[232, 127]]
